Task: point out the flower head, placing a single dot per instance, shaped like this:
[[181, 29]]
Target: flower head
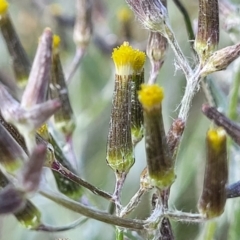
[[128, 60], [150, 96], [3, 7], [152, 14], [56, 43]]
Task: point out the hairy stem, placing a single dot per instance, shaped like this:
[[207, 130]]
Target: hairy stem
[[191, 88]]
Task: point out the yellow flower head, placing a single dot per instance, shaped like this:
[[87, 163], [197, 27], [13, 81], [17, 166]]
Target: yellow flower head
[[124, 14], [216, 137], [150, 95], [3, 7], [139, 60], [56, 41], [127, 60]]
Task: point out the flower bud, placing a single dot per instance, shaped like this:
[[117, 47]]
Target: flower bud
[[12, 155], [119, 145], [63, 119], [11, 200], [128, 61], [83, 25], [136, 109], [174, 136], [36, 89], [125, 18], [220, 59], [144, 180], [213, 198], [29, 216], [30, 175], [26, 120], [208, 29], [221, 120], [65, 186], [152, 14], [20, 61], [156, 51], [159, 162]]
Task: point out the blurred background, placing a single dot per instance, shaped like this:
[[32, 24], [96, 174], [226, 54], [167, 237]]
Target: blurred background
[[91, 91]]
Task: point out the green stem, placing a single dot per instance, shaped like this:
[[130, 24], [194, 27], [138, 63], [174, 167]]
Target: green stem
[[187, 21], [119, 234], [210, 230], [233, 96]]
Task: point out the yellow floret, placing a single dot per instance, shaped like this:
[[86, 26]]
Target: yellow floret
[[124, 14], [150, 95], [127, 60], [3, 7], [56, 41], [216, 137], [139, 60], [43, 132]]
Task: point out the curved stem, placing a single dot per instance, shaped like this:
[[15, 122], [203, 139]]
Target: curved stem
[[233, 96], [187, 20], [92, 213], [58, 167], [48, 228], [80, 52]]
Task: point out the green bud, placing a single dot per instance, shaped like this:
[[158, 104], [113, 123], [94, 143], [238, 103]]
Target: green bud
[[136, 109], [159, 161], [119, 145], [63, 119], [207, 37], [20, 61], [213, 198]]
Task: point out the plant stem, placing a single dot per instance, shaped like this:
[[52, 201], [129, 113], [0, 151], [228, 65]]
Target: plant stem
[[191, 88], [181, 59], [120, 179], [48, 228], [119, 234], [233, 96], [186, 20], [210, 230], [58, 167], [184, 217], [92, 213], [133, 203], [80, 52]]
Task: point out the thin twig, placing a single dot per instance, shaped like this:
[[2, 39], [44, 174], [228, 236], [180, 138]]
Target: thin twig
[[187, 21], [184, 217], [58, 167], [48, 228], [80, 52], [92, 213], [133, 203], [191, 89]]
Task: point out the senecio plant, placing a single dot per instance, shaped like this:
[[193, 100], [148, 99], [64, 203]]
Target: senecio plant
[[36, 117]]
